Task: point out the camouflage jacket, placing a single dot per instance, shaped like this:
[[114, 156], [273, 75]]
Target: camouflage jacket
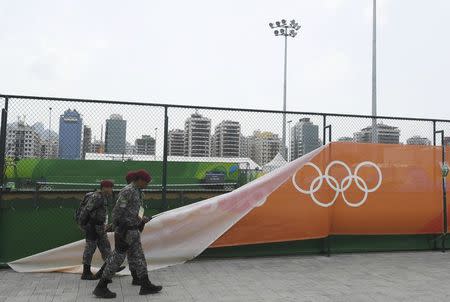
[[128, 205], [96, 209]]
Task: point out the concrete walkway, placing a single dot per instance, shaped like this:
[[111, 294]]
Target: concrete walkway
[[423, 276]]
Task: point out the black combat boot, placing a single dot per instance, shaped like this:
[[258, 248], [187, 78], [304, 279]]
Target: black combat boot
[[102, 291], [136, 280], [87, 274], [147, 287], [98, 275]]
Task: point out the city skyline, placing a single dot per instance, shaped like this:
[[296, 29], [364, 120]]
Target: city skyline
[[363, 135], [146, 119]]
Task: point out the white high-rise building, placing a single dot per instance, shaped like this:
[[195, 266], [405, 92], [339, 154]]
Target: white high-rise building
[[176, 142], [385, 134], [49, 147], [226, 139], [146, 145], [197, 131], [22, 141], [261, 147]]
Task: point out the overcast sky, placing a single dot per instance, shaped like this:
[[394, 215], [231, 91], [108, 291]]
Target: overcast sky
[[223, 53]]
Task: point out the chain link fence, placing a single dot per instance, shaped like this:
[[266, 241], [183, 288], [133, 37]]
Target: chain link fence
[[51, 144], [54, 150]]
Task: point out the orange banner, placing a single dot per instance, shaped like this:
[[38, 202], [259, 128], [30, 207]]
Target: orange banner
[[351, 189]]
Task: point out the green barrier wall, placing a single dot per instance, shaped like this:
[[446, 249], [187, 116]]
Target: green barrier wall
[[31, 223]]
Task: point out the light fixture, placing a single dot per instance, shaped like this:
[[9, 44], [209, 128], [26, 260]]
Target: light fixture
[[287, 30]]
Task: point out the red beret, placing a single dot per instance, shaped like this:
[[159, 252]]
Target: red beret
[[144, 175], [130, 176], [106, 184]]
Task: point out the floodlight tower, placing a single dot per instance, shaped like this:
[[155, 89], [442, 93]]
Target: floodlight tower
[[284, 29]]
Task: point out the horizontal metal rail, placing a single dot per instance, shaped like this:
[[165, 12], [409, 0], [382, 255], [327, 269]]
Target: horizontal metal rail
[[56, 99]]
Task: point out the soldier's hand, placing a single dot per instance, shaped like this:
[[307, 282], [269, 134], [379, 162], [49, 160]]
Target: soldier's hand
[[146, 219]]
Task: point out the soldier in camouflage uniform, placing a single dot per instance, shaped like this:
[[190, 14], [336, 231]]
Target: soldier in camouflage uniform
[[132, 261], [129, 221], [93, 218]]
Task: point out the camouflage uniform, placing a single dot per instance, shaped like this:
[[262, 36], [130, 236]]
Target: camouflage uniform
[[127, 219], [93, 217], [133, 262]]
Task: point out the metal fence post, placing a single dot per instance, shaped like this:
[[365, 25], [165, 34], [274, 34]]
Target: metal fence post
[[434, 144], [165, 204], [434, 133], [327, 240], [4, 123], [444, 193], [329, 133]]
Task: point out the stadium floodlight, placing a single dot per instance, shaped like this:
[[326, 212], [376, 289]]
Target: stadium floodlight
[[286, 29]]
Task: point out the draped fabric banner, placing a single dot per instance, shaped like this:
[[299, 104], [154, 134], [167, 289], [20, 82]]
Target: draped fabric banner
[[178, 235]]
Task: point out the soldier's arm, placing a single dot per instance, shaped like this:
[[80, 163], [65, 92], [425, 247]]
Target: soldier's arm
[[93, 207], [85, 212], [125, 212]]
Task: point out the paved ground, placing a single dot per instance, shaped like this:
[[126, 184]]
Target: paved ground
[[420, 277]]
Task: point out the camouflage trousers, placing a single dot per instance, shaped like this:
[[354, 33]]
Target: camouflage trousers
[[133, 261], [129, 246], [101, 241]]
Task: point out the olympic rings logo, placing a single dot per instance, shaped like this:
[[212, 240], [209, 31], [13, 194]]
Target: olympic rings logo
[[341, 187]]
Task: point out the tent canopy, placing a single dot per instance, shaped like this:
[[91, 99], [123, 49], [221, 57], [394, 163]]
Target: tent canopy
[[275, 163]]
